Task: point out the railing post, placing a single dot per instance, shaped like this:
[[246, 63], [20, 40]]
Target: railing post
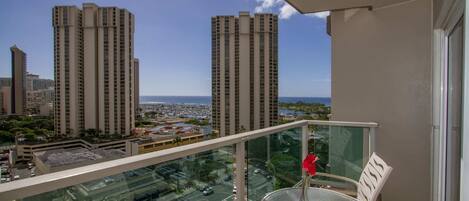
[[240, 182], [371, 140], [304, 144], [366, 145]]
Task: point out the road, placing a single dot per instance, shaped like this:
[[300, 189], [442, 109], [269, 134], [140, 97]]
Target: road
[[258, 185], [220, 192]]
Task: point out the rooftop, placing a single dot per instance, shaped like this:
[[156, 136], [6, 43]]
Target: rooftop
[[60, 157]]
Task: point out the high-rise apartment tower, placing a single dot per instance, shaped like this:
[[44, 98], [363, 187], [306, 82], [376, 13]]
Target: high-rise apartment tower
[[137, 86], [94, 69], [18, 81], [244, 72]]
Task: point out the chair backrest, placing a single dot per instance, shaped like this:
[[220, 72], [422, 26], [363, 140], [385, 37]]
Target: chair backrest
[[372, 179]]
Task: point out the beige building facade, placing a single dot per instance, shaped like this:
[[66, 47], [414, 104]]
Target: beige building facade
[[401, 63], [244, 72], [5, 99], [94, 69], [137, 85], [35, 99], [18, 81]]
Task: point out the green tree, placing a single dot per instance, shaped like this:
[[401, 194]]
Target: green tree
[[6, 136], [30, 136], [197, 122], [91, 132]]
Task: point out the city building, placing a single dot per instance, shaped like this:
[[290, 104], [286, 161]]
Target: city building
[[400, 63], [34, 82], [26, 150], [46, 109], [94, 69], [244, 72], [137, 85], [35, 99], [18, 80], [152, 144], [62, 159], [29, 80], [41, 83], [399, 89], [5, 93], [5, 81]]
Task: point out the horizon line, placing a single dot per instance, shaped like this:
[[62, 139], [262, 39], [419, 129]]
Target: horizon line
[[211, 96]]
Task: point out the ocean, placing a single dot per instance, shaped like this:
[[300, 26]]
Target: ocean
[[205, 100]]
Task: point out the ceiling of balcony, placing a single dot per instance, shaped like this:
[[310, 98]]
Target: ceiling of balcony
[[311, 6]]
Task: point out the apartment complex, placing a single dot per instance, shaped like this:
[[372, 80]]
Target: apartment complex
[[5, 98], [5, 81], [401, 63], [39, 95], [5, 90], [18, 80], [244, 72], [35, 82], [94, 69], [29, 80], [39, 99], [137, 86]]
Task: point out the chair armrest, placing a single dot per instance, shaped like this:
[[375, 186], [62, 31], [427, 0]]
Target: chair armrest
[[338, 178], [322, 174]]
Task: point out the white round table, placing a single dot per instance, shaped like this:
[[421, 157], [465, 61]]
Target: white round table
[[314, 194]]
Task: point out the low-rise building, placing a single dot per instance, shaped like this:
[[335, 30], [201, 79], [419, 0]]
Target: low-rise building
[[63, 159], [25, 151], [149, 144], [177, 128]]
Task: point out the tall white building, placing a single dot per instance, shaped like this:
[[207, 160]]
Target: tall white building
[[94, 69], [244, 72]]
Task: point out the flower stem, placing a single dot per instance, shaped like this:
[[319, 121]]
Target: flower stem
[[304, 190]]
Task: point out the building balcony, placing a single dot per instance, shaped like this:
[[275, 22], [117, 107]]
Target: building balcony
[[244, 166]]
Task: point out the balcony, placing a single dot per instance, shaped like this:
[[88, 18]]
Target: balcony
[[246, 165]]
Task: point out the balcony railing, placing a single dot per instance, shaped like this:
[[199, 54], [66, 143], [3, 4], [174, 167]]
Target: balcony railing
[[248, 165]]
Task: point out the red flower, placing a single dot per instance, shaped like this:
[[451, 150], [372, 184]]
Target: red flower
[[309, 164]]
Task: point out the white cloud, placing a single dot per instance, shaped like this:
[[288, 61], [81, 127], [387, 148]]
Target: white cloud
[[321, 15], [284, 9], [266, 5]]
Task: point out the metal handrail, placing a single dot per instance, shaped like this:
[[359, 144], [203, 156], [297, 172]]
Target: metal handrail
[[343, 123], [49, 182], [53, 181]]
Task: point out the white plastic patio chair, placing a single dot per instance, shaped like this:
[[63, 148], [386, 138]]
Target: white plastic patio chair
[[369, 186], [371, 181]]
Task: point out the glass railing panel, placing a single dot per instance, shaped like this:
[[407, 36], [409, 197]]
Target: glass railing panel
[[203, 176], [273, 162], [340, 149]]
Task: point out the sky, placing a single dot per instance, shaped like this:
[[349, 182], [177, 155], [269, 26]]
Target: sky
[[172, 42]]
